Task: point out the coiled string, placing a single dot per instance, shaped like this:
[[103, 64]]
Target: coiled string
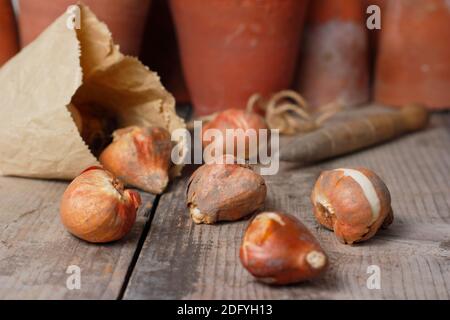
[[289, 112]]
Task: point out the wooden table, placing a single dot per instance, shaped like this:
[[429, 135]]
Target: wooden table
[[168, 257]]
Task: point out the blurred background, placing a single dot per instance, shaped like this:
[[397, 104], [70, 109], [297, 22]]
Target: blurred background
[[215, 54]]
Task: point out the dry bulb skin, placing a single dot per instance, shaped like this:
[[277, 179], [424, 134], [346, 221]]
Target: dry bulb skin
[[278, 249], [224, 192], [235, 119], [96, 207], [355, 203], [140, 157], [288, 112]]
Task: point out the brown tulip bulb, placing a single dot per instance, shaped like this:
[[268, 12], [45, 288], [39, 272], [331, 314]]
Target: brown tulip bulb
[[140, 157], [354, 203], [96, 207], [224, 192], [235, 119], [278, 249]]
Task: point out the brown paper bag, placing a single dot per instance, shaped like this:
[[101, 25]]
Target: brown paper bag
[[38, 137]]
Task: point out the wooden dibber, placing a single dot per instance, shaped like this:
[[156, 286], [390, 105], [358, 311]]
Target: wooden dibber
[[354, 135]]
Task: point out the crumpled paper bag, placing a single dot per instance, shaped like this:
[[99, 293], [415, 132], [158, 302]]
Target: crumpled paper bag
[[38, 137]]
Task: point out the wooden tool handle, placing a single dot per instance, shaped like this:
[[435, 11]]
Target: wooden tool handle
[[354, 135], [415, 117]]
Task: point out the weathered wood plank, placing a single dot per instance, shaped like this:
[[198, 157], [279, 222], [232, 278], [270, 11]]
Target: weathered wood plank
[[183, 260], [35, 249]]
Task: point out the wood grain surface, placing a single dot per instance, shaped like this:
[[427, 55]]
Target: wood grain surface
[[36, 251], [166, 256], [181, 260]]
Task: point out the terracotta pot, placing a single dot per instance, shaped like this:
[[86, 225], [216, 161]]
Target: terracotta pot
[[9, 45], [413, 63], [233, 49], [125, 18], [334, 65], [160, 33]]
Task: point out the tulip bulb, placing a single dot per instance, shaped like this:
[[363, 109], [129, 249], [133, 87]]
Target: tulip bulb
[[95, 125], [234, 119], [355, 203], [278, 249], [141, 157], [96, 207], [224, 192]]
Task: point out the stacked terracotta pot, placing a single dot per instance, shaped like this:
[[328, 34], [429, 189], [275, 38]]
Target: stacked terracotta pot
[[413, 64], [230, 50], [125, 18], [233, 49], [334, 60]]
